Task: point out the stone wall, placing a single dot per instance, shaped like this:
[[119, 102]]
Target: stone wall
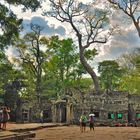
[[108, 108], [28, 111], [103, 104], [134, 106], [112, 107]]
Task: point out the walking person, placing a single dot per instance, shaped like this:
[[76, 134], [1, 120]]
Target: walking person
[[6, 117], [84, 120]]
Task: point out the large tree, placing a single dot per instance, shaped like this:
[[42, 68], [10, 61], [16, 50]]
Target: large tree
[[87, 21], [32, 57], [131, 8]]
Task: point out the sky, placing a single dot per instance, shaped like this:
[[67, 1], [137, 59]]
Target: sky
[[125, 41]]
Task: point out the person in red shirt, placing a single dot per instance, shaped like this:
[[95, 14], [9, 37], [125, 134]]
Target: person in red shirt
[[91, 123]]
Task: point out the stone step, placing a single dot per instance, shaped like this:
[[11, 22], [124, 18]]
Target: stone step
[[17, 136], [35, 139]]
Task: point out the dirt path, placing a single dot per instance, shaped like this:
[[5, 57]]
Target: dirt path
[[100, 133]]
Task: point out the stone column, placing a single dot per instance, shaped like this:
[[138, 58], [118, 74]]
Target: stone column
[[68, 119], [60, 112], [71, 111], [53, 108]]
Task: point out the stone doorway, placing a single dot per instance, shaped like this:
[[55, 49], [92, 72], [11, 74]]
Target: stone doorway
[[47, 115], [63, 117], [25, 115], [61, 112]]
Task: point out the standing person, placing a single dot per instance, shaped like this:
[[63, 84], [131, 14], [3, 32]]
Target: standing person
[[84, 121], [41, 117], [80, 121], [91, 122], [6, 117]]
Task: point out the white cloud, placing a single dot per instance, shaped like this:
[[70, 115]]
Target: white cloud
[[46, 28], [122, 43]]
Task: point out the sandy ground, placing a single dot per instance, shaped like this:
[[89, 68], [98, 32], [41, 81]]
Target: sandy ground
[[100, 133]]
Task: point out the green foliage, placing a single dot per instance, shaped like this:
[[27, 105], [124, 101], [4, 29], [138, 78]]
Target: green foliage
[[110, 74], [90, 54], [130, 81], [9, 25], [11, 94], [28, 4], [63, 70], [6, 72], [84, 84], [9, 82]]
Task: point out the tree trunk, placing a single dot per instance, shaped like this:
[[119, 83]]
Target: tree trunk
[[90, 71], [138, 28], [136, 25], [38, 90], [38, 72]]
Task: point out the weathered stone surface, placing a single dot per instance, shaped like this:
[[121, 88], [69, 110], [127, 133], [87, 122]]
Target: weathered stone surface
[[101, 104]]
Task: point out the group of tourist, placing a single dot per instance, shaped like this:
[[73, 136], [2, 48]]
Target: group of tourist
[[84, 120], [4, 117]]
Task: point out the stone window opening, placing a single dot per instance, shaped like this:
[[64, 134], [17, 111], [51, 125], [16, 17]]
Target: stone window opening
[[25, 115], [111, 116], [119, 116], [137, 116]]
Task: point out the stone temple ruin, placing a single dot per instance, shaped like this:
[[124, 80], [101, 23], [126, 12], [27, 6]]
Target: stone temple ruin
[[108, 108]]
